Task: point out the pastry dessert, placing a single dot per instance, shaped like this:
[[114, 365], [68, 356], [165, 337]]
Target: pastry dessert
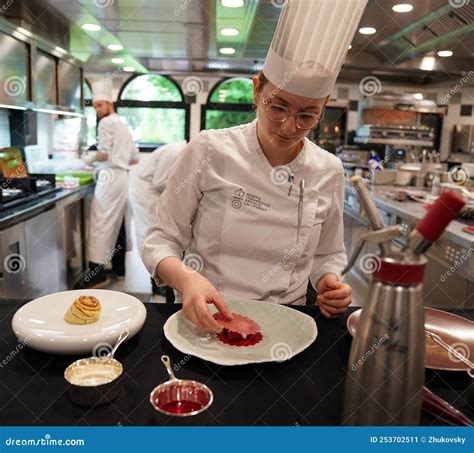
[[84, 310], [240, 331]]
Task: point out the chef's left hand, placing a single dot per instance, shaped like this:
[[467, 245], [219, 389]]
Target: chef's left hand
[[333, 296]]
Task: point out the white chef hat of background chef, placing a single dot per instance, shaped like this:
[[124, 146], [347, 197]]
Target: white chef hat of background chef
[[310, 43], [102, 91]]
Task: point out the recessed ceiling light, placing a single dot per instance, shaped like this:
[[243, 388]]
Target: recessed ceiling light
[[129, 69], [91, 27], [428, 63], [418, 96], [403, 8], [233, 3], [115, 47], [229, 32], [227, 50], [117, 60], [445, 53], [367, 30]]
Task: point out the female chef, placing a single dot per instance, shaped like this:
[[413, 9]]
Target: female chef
[[258, 208]]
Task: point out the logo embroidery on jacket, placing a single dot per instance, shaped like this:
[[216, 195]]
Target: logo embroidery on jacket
[[241, 198]]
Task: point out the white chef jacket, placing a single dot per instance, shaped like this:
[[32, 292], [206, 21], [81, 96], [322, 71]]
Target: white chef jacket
[[110, 202], [226, 207], [148, 183], [116, 140]]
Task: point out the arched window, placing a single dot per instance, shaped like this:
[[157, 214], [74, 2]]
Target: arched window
[[153, 107], [229, 104], [89, 112]]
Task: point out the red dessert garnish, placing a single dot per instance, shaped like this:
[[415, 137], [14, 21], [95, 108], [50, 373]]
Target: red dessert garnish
[[240, 331]]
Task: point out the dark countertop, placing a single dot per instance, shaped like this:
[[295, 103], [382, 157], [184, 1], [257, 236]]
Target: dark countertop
[[31, 208], [307, 390]]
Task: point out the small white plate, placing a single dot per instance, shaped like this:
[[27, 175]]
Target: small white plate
[[286, 332], [40, 324]]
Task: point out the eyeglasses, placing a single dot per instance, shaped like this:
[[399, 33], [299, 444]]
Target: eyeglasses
[[279, 114]]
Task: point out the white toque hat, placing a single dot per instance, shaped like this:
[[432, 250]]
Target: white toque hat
[[311, 40], [102, 91]]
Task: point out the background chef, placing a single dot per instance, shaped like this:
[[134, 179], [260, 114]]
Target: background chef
[[148, 183], [117, 152], [258, 208]]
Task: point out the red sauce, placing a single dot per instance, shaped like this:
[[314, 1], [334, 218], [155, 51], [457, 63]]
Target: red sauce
[[181, 407], [236, 339]]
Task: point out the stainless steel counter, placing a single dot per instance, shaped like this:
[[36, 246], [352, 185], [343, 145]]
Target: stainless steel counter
[[42, 244], [449, 276]]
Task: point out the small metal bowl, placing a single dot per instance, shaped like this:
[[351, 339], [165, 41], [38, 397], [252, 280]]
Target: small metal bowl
[[181, 398], [94, 381]]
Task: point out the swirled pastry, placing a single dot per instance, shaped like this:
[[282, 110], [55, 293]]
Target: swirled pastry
[[84, 310]]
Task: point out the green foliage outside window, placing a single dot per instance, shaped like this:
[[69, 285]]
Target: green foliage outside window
[[152, 124], [232, 91], [219, 119], [151, 87]]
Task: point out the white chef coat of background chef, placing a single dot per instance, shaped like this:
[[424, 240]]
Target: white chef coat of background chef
[[244, 225], [148, 183], [110, 202]]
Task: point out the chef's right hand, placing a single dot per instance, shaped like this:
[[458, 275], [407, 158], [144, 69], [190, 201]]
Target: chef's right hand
[[197, 293]]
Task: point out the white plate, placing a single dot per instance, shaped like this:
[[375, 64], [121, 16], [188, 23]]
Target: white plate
[[40, 324], [286, 332]]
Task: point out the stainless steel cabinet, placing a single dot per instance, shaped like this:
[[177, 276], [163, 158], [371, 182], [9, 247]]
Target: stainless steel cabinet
[[71, 233], [31, 258]]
